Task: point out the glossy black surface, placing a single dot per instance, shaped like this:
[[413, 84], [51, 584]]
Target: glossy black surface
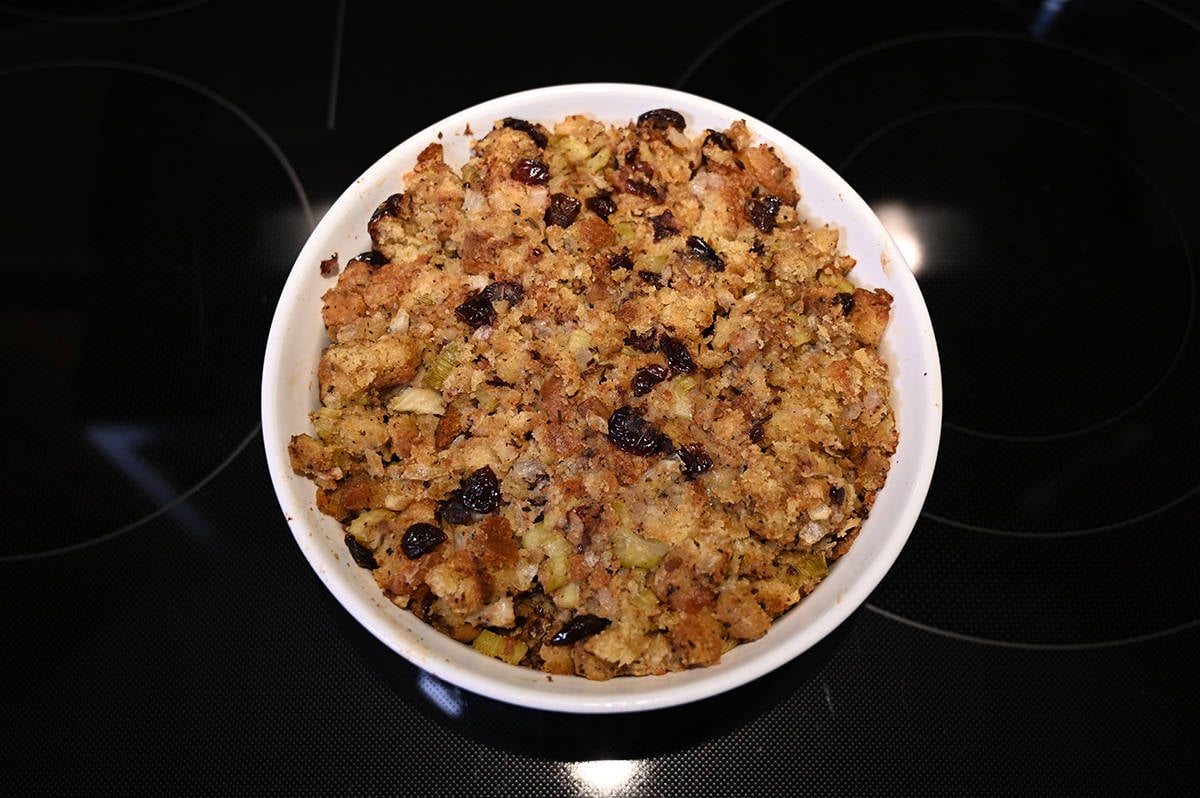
[[163, 164]]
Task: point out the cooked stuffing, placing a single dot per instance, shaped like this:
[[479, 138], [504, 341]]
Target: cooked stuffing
[[600, 401]]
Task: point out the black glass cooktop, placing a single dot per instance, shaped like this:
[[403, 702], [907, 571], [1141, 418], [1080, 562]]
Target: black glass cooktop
[[163, 164]]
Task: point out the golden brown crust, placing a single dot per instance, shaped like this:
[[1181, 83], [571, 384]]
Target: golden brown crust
[[602, 392]]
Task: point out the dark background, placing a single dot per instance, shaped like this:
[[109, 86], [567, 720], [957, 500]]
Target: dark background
[[163, 162]]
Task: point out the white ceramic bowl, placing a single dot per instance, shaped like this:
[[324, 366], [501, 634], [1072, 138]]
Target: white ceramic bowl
[[297, 337]]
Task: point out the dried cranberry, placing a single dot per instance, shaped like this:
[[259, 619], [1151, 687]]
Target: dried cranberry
[[631, 433], [480, 491], [662, 118], [539, 138], [562, 210], [837, 494], [451, 510], [602, 205], [389, 207], [363, 557], [643, 342], [700, 249], [664, 225], [846, 300], [420, 539], [645, 378], [695, 460], [641, 188], [505, 291], [531, 172], [477, 311], [757, 432], [762, 212], [577, 628], [677, 354], [620, 261], [373, 257], [720, 139]]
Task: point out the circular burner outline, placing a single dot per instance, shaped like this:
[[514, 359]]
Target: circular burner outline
[[166, 508], [1065, 533], [971, 33], [1190, 322], [956, 33], [179, 80], [960, 33], [720, 41], [293, 178], [989, 641], [878, 47], [1173, 13], [100, 19], [732, 31]]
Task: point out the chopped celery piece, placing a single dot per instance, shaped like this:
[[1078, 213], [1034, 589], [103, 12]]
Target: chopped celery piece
[[567, 596], [554, 570], [808, 568], [556, 567], [451, 355], [621, 511], [684, 382], [637, 552], [598, 161], [487, 402], [508, 649], [417, 400], [655, 264], [577, 344], [324, 420], [798, 336]]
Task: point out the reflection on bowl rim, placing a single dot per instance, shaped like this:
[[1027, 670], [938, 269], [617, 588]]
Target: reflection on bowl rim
[[296, 338]]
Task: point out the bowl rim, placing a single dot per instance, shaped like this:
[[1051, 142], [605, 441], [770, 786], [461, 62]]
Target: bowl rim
[[426, 648]]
